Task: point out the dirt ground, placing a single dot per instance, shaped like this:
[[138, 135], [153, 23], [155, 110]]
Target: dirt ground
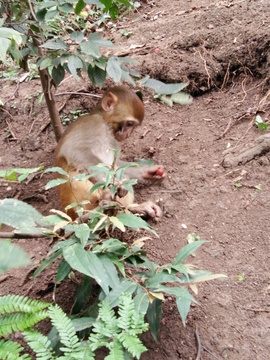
[[223, 49]]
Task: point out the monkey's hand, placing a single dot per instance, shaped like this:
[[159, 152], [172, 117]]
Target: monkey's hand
[[146, 210], [155, 172]]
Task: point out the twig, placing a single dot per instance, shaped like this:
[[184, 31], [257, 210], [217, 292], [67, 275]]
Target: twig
[[199, 345], [143, 135], [245, 133], [77, 93], [9, 128], [209, 352], [226, 130], [226, 77], [206, 69], [258, 310], [7, 113], [13, 95], [12, 235]]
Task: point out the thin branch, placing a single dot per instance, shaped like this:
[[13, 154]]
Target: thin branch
[[12, 235], [77, 93]]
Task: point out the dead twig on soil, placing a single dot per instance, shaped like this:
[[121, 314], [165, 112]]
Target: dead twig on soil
[[7, 113], [226, 77], [199, 345], [14, 138], [258, 310], [210, 352], [209, 80]]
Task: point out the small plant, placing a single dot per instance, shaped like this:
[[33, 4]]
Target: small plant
[[263, 126], [126, 33], [117, 332]]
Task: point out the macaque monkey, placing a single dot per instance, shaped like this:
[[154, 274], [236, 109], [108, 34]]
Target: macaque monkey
[[91, 139]]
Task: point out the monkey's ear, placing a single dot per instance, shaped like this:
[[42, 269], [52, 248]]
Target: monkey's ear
[[109, 101], [140, 95]]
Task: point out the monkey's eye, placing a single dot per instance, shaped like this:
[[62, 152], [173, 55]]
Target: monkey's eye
[[129, 123]]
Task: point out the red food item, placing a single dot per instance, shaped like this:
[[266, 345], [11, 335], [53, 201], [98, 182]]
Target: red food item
[[159, 172]]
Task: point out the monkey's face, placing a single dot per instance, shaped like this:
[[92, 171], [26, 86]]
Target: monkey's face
[[124, 129]]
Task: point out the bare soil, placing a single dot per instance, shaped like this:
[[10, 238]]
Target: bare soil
[[223, 49]]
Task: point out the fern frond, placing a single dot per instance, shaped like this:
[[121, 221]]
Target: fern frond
[[133, 344], [105, 313], [18, 303], [39, 343], [116, 351], [82, 354], [65, 328], [20, 321], [126, 311], [11, 351]]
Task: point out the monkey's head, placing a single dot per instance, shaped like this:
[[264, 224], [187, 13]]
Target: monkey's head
[[123, 110]]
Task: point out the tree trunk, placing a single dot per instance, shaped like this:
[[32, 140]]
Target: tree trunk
[[46, 82]]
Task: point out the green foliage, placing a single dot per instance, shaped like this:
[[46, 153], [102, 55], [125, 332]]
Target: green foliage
[[118, 333], [68, 43], [19, 174], [118, 267], [19, 313], [263, 126], [9, 252], [11, 351]]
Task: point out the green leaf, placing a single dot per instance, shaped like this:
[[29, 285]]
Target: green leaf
[[166, 100], [135, 222], [78, 36], [82, 232], [12, 257], [58, 74], [113, 69], [74, 63], [83, 323], [89, 264], [110, 268], [55, 182], [126, 286], [92, 45], [97, 185], [62, 271], [56, 169], [79, 7], [154, 314], [82, 295], [117, 223], [183, 302], [47, 262], [141, 302], [18, 214], [9, 33], [114, 11], [96, 75], [186, 251], [45, 63], [55, 45], [182, 98], [4, 45], [159, 278], [161, 88], [208, 278], [67, 8]]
